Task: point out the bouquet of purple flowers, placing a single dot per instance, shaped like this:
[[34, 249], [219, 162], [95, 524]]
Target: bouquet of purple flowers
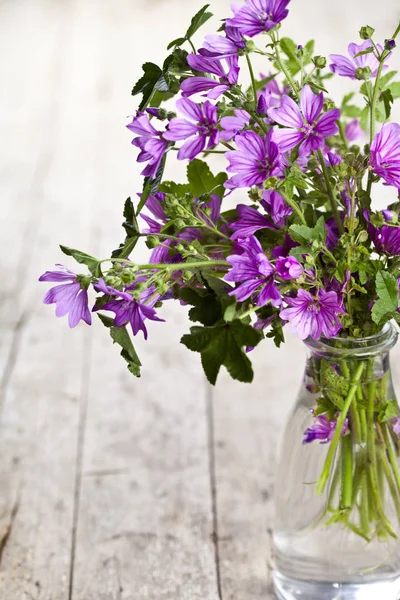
[[302, 247]]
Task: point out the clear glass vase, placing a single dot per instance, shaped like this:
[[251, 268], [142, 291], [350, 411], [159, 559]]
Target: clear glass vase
[[337, 523]]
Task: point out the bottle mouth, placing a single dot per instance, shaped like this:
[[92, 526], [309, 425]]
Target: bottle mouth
[[373, 345]]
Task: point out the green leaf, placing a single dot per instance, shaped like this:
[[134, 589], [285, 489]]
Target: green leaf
[[198, 20], [364, 119], [303, 234], [263, 82], [390, 411], [93, 264], [202, 181], [224, 345], [388, 293], [395, 89], [177, 42], [207, 308], [387, 78], [351, 111], [367, 51], [346, 99], [387, 99], [176, 189], [147, 83], [132, 231], [121, 337]]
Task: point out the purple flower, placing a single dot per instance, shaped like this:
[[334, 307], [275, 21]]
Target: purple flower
[[396, 425], [353, 131], [256, 159], [233, 125], [204, 64], [386, 239], [385, 154], [129, 310], [255, 273], [313, 316], [276, 206], [258, 16], [323, 430], [305, 126], [345, 67], [288, 268], [223, 47], [150, 142], [251, 220], [69, 297], [204, 127]]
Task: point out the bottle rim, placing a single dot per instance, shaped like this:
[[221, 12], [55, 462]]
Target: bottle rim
[[373, 345]]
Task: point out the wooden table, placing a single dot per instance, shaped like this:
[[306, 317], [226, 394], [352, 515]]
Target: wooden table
[[113, 488]]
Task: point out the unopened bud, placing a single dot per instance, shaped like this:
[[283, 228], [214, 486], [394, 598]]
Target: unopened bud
[[363, 73], [319, 62], [390, 45], [180, 223], [152, 241], [366, 32]]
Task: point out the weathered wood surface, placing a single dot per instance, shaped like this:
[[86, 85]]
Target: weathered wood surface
[[112, 488]]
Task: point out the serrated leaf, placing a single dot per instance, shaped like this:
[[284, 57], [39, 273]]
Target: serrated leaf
[[147, 83], [303, 234], [207, 308], [202, 181], [388, 293], [121, 337], [198, 20], [93, 264], [176, 189], [351, 111], [387, 78], [224, 345], [387, 99], [132, 231]]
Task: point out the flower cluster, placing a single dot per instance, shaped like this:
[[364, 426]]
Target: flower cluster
[[304, 248]]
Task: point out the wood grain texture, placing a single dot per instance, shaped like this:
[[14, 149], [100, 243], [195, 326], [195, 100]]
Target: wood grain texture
[[113, 488]]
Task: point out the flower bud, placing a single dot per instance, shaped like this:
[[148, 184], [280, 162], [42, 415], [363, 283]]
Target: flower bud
[[363, 73], [152, 241], [300, 51], [319, 62], [366, 32], [362, 236], [180, 224], [390, 45]]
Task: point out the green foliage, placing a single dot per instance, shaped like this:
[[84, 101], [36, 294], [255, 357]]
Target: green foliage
[[303, 234], [224, 344], [388, 293], [197, 21], [389, 411], [121, 337], [132, 232], [326, 407], [202, 181], [334, 386], [151, 186], [93, 264], [289, 48]]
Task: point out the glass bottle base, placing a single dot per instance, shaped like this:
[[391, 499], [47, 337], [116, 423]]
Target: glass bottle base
[[287, 588]]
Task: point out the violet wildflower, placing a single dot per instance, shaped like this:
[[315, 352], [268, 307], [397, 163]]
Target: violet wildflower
[[386, 238], [323, 430], [235, 124], [275, 205], [305, 127], [129, 310], [396, 425], [256, 159], [250, 220], [385, 154], [258, 16], [70, 297], [353, 131], [347, 67], [204, 127], [255, 273], [204, 64], [150, 142], [313, 315], [233, 44], [288, 268]]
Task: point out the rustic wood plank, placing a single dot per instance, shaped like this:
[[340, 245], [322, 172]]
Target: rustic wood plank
[[42, 393]]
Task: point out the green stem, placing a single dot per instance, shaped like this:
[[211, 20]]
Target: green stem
[[391, 454], [285, 70], [373, 118], [253, 80], [342, 134], [173, 267], [364, 517], [326, 471], [330, 192], [346, 494], [293, 205], [192, 46]]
